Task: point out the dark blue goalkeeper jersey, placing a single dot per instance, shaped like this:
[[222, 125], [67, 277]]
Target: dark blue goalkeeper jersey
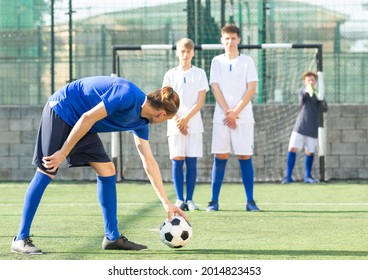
[[123, 101], [308, 119]]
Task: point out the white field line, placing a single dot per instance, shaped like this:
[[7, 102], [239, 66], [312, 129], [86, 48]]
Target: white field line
[[264, 203]]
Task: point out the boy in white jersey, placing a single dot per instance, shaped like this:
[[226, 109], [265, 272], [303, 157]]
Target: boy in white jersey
[[233, 80], [185, 130]]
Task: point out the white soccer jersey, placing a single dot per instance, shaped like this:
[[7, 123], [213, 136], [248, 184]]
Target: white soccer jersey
[[187, 84], [232, 77]]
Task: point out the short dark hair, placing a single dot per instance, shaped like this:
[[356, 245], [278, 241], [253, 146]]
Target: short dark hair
[[230, 28]]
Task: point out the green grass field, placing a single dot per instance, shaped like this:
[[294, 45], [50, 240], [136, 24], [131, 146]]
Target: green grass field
[[326, 221]]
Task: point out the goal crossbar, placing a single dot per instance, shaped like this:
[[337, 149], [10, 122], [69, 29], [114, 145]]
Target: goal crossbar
[[318, 47], [117, 48]]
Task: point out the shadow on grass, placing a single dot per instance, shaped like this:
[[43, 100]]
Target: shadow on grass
[[332, 253], [204, 254], [221, 252]]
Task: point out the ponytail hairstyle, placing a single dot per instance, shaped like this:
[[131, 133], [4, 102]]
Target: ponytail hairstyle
[[166, 99]]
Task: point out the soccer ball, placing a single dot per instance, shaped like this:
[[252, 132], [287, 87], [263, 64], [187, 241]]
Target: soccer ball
[[177, 233]]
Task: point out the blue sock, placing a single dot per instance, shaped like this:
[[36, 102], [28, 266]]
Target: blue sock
[[32, 199], [308, 165], [291, 157], [178, 178], [191, 176], [246, 167], [106, 193], [218, 173]]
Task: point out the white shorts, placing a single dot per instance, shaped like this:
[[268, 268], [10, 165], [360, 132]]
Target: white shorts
[[238, 141], [190, 145], [299, 141]]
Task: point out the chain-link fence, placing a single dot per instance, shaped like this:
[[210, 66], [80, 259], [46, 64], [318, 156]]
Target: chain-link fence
[[46, 43]]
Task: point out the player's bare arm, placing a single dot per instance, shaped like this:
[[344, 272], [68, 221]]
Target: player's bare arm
[[248, 95], [83, 125], [220, 99], [154, 175], [180, 126], [182, 123]]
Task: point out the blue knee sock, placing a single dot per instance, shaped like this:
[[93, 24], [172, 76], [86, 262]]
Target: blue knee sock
[[291, 157], [308, 165], [246, 167], [106, 193], [178, 178], [191, 176], [32, 199], [218, 173]]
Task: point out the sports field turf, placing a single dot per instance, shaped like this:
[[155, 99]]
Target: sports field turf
[[326, 221]]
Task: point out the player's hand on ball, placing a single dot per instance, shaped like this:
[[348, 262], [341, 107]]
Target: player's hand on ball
[[174, 210]]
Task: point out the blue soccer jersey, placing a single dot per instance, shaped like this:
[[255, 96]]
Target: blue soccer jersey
[[123, 102]]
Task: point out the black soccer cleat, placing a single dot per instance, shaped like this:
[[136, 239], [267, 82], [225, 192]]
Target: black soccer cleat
[[122, 243]]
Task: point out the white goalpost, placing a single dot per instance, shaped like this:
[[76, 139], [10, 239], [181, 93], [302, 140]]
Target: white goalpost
[[279, 66]]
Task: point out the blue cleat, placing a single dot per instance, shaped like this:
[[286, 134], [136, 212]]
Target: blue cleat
[[310, 180], [252, 207], [287, 180], [213, 206]]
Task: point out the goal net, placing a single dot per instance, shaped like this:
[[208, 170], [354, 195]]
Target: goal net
[[275, 106]]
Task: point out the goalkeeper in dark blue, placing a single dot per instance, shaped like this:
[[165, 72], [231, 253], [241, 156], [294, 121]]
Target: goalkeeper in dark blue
[[305, 132], [69, 127]]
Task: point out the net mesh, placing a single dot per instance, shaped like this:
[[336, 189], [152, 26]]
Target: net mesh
[[274, 105], [279, 69]]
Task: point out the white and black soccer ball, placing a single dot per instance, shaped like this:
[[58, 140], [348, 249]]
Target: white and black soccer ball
[[177, 233]]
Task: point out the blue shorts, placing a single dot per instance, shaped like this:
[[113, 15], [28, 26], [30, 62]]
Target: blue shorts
[[53, 132]]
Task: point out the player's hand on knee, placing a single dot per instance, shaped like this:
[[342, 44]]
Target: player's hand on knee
[[52, 163]]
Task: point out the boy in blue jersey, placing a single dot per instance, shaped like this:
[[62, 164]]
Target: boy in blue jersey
[[68, 130]]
